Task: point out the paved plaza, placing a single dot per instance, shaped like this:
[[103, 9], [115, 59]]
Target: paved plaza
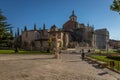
[[45, 67]]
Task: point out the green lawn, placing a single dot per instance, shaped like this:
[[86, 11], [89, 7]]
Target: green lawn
[[109, 51], [103, 58], [22, 52], [6, 51]]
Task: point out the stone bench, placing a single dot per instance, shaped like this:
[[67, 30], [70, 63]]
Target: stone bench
[[94, 61], [102, 64], [91, 59]]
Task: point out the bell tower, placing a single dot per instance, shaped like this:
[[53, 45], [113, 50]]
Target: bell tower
[[73, 17]]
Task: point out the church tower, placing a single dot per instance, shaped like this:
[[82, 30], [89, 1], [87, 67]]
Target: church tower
[[72, 23], [73, 17]]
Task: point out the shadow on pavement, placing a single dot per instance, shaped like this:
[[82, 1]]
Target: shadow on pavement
[[97, 66], [103, 73], [73, 61]]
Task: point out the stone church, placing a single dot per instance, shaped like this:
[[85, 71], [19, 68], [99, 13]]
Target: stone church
[[73, 34], [79, 34]]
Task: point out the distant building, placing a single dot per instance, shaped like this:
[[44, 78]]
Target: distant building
[[28, 38], [40, 39], [101, 39], [73, 34], [114, 44], [79, 34]]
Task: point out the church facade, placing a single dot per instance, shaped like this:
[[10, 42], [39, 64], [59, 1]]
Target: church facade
[[79, 34], [73, 34]]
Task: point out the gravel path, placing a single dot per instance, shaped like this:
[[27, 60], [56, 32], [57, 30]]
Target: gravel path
[[44, 67]]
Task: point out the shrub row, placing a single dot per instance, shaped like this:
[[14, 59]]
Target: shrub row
[[114, 56]]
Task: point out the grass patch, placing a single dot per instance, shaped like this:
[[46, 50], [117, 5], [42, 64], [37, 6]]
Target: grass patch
[[6, 51], [22, 52], [101, 58], [103, 51], [105, 59]]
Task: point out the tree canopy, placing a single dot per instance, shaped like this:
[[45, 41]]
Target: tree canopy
[[5, 31], [115, 6]]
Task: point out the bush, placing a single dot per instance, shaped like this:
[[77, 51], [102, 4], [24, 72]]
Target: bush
[[114, 56]]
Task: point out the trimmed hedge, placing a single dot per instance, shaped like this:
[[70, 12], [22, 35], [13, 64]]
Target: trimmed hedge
[[114, 56]]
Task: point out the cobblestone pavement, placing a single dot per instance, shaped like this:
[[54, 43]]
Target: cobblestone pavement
[[45, 67]]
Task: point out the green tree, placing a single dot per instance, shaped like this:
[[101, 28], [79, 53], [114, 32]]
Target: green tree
[[115, 6], [5, 33], [44, 27], [25, 28], [17, 41], [35, 27], [18, 32]]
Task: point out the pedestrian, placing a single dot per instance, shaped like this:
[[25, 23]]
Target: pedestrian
[[88, 52], [83, 54], [80, 51]]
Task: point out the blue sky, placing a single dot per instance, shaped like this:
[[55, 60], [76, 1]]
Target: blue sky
[[22, 13]]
